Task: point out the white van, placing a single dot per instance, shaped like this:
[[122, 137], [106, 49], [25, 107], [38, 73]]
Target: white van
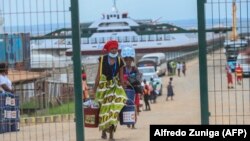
[[242, 60], [161, 62]]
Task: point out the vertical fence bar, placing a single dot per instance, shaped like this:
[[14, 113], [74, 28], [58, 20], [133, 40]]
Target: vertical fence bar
[[77, 69], [202, 62]]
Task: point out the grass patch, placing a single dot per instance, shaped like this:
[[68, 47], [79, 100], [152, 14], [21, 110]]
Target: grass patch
[[31, 109], [67, 108], [32, 104]]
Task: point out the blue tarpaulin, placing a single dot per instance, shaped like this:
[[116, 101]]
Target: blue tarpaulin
[[14, 48]]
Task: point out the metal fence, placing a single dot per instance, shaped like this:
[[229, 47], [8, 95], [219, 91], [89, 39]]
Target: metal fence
[[43, 75], [227, 103]]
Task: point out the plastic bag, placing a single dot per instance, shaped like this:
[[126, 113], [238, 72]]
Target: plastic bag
[[134, 79], [90, 103]]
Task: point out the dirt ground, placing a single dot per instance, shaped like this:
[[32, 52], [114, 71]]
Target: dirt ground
[[184, 109], [227, 106]]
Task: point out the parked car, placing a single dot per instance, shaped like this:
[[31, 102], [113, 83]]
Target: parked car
[[242, 60], [145, 62], [147, 69], [160, 62], [148, 73]]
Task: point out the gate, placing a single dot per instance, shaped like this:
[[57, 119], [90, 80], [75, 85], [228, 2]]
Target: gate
[[38, 35], [34, 38], [222, 102]]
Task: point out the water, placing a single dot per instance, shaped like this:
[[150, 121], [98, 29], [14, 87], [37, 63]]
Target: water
[[243, 24], [243, 27], [36, 29]]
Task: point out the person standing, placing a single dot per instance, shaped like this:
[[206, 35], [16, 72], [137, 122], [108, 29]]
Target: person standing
[[146, 94], [170, 91], [239, 74], [85, 88], [169, 68], [184, 68], [178, 67], [109, 89], [5, 82], [153, 94], [229, 77], [173, 67]]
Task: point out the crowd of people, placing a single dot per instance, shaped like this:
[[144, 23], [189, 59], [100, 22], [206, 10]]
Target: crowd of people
[[238, 76], [179, 67]]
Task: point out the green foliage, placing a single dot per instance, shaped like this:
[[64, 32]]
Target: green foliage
[[32, 104], [66, 108]]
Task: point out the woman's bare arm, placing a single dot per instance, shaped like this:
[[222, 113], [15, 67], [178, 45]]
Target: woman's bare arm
[[6, 88], [121, 77]]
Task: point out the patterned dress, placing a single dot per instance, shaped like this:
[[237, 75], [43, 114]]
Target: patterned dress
[[110, 94]]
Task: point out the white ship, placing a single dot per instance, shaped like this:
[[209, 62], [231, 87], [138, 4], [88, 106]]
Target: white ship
[[144, 35]]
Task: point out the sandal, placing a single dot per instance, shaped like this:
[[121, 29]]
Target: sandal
[[104, 135], [111, 133]]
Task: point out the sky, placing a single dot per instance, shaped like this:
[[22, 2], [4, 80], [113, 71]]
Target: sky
[[165, 10], [33, 12], [37, 11], [91, 10]]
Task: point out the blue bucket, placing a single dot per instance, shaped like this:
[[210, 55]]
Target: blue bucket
[[130, 94], [128, 115], [16, 100], [5, 99], [3, 126], [15, 125]]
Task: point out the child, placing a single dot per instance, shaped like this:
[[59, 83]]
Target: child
[[239, 74], [85, 88]]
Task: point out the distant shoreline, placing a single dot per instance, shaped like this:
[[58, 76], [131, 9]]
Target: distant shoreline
[[42, 29]]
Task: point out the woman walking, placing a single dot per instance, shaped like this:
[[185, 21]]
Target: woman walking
[[109, 89], [170, 91]]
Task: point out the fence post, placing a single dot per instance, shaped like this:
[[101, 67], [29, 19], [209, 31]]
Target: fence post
[[77, 69], [202, 62]]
